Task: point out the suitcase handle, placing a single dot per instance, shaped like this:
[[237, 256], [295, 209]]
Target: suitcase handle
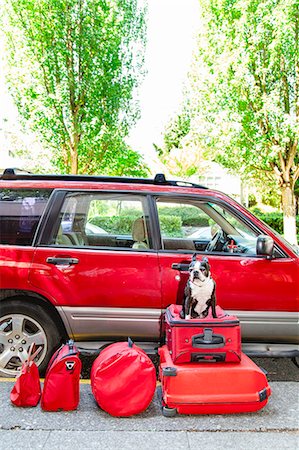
[[208, 340], [207, 357]]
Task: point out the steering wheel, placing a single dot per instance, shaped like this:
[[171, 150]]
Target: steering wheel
[[217, 242]]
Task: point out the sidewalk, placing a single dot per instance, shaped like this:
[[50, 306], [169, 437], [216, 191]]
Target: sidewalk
[[90, 428]]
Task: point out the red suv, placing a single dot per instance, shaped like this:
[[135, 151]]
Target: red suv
[[90, 258]]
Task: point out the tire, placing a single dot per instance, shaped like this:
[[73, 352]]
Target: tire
[[296, 361], [22, 323]]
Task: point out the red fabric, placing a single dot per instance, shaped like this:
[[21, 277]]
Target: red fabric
[[123, 380], [61, 386], [27, 390], [221, 314]]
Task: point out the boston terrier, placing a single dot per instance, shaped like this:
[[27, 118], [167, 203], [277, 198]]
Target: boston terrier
[[199, 292]]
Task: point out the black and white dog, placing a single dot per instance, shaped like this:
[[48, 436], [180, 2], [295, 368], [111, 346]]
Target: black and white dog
[[199, 294]]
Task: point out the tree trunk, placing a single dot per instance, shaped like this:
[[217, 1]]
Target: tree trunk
[[74, 144], [74, 161], [289, 213]]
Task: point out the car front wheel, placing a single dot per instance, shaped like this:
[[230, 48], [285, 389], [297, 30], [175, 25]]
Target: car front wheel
[[22, 324]]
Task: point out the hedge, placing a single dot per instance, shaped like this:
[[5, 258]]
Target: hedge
[[170, 225], [190, 217], [274, 219]]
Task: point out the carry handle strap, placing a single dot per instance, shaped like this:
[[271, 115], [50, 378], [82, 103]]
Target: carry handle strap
[[31, 356]]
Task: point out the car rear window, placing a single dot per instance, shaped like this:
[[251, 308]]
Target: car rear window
[[20, 211]]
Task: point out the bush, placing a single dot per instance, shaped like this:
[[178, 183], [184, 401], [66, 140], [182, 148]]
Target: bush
[[114, 224], [170, 225], [274, 219], [189, 216]]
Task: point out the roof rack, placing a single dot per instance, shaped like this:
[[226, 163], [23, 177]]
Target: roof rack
[[159, 179]]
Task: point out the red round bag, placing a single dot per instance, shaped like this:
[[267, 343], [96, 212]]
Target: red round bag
[[123, 379]]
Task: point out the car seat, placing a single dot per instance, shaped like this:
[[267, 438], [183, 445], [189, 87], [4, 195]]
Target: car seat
[[139, 234]]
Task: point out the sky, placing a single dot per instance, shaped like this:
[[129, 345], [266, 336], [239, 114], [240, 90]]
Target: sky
[[172, 26]]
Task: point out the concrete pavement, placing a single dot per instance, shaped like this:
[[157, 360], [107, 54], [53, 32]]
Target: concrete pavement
[[277, 425]]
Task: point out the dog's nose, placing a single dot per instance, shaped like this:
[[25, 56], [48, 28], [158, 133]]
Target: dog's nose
[[196, 274]]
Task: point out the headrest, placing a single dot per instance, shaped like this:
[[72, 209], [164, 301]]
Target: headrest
[[138, 230]]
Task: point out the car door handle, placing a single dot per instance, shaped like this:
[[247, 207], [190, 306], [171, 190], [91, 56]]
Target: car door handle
[[182, 267], [61, 261]]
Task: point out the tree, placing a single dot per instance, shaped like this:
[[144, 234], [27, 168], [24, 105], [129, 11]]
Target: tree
[[74, 66], [244, 92], [180, 151]]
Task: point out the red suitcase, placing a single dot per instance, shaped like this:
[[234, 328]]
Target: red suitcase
[[212, 388], [61, 386], [202, 340]]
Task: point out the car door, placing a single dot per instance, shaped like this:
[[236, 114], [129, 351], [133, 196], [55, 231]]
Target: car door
[[105, 284], [262, 292]]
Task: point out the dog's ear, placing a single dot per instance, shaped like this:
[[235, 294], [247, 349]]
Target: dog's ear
[[206, 262], [194, 257]]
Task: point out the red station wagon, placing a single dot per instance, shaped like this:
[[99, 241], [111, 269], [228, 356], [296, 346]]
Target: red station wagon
[[90, 258]]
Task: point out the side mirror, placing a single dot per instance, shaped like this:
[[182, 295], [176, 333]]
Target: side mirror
[[264, 246]]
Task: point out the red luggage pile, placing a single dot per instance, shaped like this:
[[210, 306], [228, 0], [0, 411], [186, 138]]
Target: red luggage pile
[[202, 368], [123, 379]]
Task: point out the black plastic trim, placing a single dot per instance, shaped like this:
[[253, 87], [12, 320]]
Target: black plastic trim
[[208, 339], [159, 179], [50, 219], [198, 322], [208, 357], [169, 371], [263, 395]]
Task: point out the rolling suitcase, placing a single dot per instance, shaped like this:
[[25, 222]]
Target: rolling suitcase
[[61, 386], [202, 340], [211, 388]]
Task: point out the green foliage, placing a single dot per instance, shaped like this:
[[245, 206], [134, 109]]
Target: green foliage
[[274, 220], [243, 91], [74, 70], [189, 216], [115, 224], [176, 130], [171, 226]]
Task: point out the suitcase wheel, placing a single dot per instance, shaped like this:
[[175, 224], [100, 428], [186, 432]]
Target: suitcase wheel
[[168, 412]]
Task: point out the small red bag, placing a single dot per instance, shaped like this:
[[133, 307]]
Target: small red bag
[[123, 379], [27, 391]]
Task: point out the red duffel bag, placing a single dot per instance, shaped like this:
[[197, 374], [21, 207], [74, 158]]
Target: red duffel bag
[[27, 391], [123, 379]]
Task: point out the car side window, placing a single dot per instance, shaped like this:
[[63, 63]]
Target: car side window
[[103, 220], [20, 212], [203, 226]]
